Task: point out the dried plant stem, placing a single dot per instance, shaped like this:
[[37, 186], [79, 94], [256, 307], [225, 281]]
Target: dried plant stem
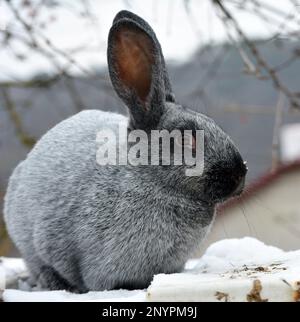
[[10, 107]]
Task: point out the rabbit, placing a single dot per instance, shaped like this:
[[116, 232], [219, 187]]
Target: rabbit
[[81, 226]]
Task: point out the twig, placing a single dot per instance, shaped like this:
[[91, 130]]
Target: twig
[[276, 130], [14, 116], [30, 31], [260, 61], [74, 94]]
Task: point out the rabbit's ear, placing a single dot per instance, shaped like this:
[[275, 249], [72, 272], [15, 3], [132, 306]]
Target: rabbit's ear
[[135, 68], [170, 97]]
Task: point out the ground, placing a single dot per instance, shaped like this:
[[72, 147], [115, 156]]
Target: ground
[[230, 270]]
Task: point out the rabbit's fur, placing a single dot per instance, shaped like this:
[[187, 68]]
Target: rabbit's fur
[[81, 226]]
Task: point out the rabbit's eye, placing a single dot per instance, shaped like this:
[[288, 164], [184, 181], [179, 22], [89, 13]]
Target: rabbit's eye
[[186, 140]]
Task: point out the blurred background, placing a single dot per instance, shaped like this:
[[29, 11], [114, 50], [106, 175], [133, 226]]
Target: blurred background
[[234, 60]]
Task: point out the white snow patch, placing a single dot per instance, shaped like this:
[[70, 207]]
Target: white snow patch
[[63, 296], [229, 253], [229, 270], [2, 280], [11, 269], [290, 142]]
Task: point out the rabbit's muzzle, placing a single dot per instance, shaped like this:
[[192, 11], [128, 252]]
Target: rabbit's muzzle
[[224, 181]]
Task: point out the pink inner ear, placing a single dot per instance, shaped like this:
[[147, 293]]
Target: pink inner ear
[[134, 60]]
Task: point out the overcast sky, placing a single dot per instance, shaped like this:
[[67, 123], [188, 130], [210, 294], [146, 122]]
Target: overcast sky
[[179, 32]]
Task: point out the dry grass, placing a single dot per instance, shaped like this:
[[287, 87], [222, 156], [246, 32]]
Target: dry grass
[[5, 243]]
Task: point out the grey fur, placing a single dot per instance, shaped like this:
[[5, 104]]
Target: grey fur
[[81, 226]]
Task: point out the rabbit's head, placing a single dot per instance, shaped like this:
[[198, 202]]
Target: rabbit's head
[[138, 73]]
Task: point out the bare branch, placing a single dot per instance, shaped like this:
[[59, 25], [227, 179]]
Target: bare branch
[[276, 130], [261, 63], [10, 107]]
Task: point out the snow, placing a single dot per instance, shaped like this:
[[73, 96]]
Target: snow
[[290, 142], [228, 253], [12, 269], [2, 280], [63, 296], [231, 269]]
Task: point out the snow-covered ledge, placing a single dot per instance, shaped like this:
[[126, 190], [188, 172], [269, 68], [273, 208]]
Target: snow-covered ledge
[[230, 270]]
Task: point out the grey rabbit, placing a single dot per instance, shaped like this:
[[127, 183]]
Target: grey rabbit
[[81, 226]]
